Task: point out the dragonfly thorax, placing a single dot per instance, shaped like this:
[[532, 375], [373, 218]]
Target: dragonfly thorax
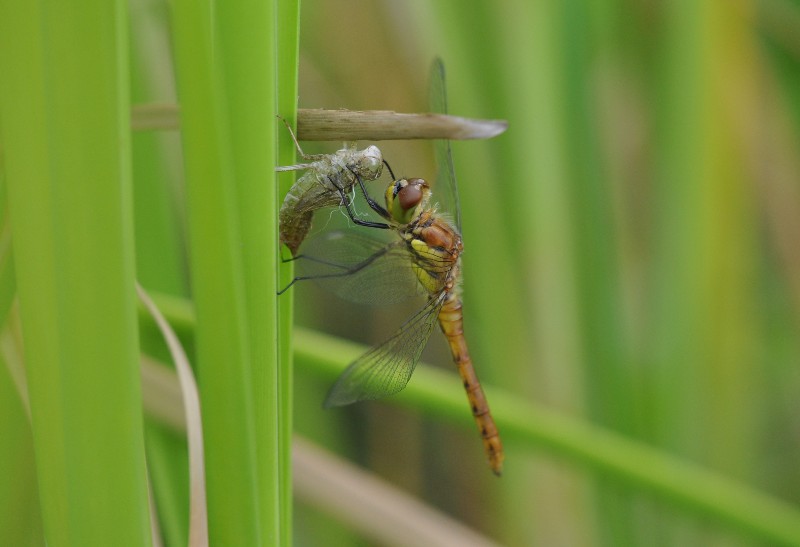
[[441, 237], [436, 247], [366, 163]]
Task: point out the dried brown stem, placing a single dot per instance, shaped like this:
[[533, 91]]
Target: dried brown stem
[[348, 125], [379, 125]]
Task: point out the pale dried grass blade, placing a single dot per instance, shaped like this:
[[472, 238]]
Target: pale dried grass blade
[[373, 506], [198, 516], [347, 125], [379, 125]]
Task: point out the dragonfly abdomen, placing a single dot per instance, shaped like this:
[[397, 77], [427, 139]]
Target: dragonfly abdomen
[[294, 225], [327, 179], [312, 191], [451, 322]]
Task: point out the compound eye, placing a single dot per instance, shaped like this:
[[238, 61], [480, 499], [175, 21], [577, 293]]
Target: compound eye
[[410, 195]]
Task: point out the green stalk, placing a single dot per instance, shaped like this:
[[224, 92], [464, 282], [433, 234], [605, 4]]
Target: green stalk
[[226, 274], [65, 129], [288, 31], [249, 61], [8, 283]]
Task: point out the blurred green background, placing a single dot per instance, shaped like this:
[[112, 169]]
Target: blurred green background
[[631, 259]]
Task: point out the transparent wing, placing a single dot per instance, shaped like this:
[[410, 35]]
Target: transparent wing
[[360, 268], [386, 369], [445, 190]]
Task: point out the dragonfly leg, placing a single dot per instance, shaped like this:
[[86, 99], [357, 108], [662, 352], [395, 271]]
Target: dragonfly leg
[[297, 144], [284, 260], [386, 163], [345, 270], [321, 261], [371, 202], [349, 206], [367, 223]]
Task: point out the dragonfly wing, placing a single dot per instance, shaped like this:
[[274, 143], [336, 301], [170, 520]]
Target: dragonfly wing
[[386, 369], [445, 188], [360, 268]]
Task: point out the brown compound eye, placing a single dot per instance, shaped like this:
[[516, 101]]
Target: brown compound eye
[[411, 194]]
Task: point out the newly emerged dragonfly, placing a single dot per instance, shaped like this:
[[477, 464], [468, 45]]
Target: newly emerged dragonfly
[[328, 180], [423, 257]]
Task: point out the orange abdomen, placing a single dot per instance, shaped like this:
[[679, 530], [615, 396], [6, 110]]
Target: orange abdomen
[[450, 319]]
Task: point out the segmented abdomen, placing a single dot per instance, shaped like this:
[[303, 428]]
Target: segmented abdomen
[[451, 321], [312, 191]]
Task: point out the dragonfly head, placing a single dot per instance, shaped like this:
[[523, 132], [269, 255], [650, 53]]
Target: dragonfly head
[[406, 198], [370, 163]]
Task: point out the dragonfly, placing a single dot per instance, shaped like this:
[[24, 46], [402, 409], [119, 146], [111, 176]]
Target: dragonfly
[[422, 257], [328, 181]]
